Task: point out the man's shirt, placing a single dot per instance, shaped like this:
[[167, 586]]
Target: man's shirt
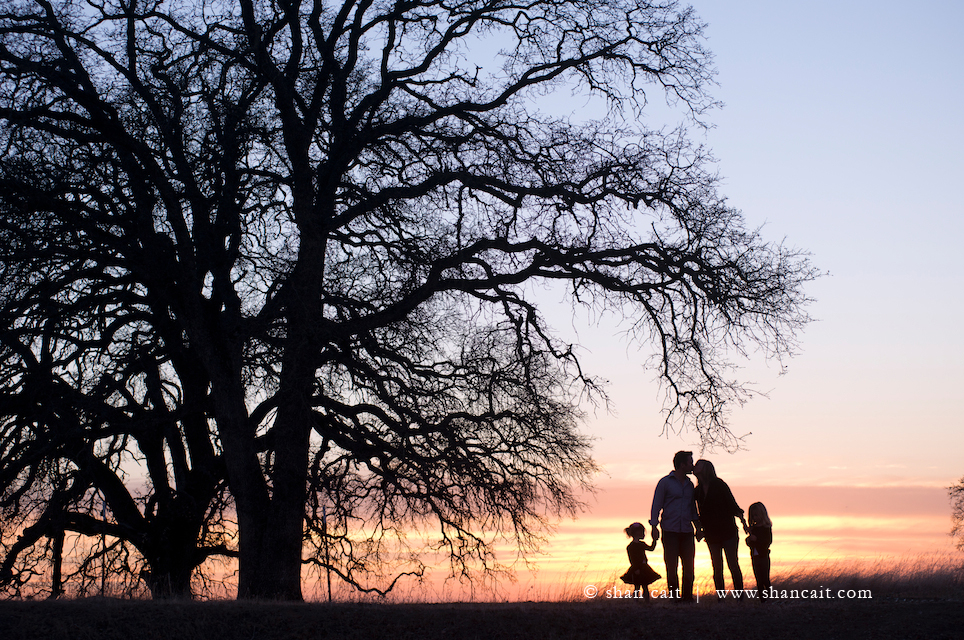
[[677, 502]]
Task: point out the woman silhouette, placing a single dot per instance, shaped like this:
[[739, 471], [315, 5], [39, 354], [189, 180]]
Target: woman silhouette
[[718, 508]]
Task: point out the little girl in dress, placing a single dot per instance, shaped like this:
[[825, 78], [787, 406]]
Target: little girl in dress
[[640, 574]]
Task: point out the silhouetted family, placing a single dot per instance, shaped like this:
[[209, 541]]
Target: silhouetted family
[[683, 515]]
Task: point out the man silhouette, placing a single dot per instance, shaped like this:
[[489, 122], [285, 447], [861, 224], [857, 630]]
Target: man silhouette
[[675, 499]]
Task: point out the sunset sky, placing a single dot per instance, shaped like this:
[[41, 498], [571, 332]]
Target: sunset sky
[[842, 135]]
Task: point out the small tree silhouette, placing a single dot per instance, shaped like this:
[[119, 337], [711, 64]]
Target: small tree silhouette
[[956, 494]]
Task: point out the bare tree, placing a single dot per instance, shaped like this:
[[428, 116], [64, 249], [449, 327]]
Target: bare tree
[[99, 439], [324, 223], [956, 493]]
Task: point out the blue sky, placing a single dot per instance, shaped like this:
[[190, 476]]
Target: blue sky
[[842, 134]]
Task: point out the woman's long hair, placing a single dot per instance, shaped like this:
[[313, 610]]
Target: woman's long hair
[[707, 472]]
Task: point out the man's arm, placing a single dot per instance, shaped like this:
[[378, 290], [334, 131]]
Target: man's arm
[[695, 518], [658, 497]]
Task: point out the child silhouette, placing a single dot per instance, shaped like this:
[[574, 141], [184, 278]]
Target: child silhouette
[[639, 574]]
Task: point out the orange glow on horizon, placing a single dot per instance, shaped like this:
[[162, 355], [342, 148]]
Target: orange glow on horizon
[[857, 528], [850, 528]]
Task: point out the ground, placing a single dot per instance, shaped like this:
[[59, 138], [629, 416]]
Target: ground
[[99, 619]]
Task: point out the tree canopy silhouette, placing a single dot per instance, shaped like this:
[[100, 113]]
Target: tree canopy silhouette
[[277, 259]]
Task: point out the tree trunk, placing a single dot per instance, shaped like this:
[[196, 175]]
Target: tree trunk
[[56, 580], [249, 489], [173, 552], [278, 532], [283, 536], [281, 532], [169, 579], [273, 572]]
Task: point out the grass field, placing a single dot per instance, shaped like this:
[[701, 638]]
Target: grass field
[[630, 620], [920, 599]]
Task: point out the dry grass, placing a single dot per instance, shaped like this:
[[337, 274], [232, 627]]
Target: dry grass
[[129, 620], [936, 577], [939, 576], [922, 598]]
